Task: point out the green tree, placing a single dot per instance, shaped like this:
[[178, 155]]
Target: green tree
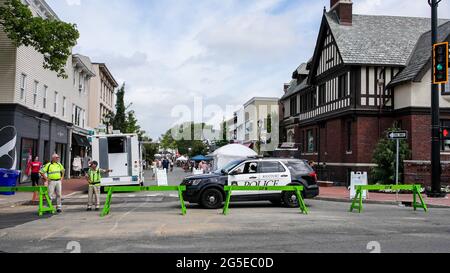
[[120, 118], [150, 148], [385, 157], [132, 126], [167, 141], [52, 38], [224, 141], [191, 145]]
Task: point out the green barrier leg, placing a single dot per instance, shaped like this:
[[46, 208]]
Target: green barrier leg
[[183, 205], [44, 193], [360, 201], [227, 203], [51, 209], [415, 199], [301, 202], [422, 202], [41, 203], [107, 206], [355, 200]]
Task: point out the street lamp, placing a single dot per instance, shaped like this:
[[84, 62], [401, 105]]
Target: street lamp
[[107, 119], [259, 136]]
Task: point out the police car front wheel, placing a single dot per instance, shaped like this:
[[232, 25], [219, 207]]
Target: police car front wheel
[[211, 199], [290, 199]]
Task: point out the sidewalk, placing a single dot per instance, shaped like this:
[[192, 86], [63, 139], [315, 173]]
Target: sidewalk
[[342, 194], [70, 187]]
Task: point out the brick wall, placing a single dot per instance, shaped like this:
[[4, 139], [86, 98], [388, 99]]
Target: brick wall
[[419, 172]]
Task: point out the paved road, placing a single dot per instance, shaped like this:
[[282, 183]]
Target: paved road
[[152, 223]]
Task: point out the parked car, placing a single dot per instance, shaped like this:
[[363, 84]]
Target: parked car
[[208, 190]]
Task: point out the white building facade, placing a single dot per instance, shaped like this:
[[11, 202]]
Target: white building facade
[[41, 113]]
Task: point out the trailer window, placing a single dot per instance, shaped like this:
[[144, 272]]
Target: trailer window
[[116, 145]]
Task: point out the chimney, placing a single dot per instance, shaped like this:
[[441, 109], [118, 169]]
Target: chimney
[[286, 87], [344, 10]]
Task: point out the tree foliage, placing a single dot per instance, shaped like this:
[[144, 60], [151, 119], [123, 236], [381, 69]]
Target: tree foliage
[[185, 138], [120, 118], [385, 157], [52, 38]]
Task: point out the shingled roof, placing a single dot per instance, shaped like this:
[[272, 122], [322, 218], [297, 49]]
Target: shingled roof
[[378, 40], [295, 88], [420, 59]]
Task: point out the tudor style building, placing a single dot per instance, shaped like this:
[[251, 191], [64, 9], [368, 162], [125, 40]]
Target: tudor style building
[[367, 73]]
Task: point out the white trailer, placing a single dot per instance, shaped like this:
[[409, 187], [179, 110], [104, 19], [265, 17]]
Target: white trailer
[[122, 153]]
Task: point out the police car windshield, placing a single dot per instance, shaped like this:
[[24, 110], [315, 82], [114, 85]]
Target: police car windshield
[[229, 166]]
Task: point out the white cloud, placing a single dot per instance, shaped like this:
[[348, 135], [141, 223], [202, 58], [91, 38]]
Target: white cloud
[[223, 51]]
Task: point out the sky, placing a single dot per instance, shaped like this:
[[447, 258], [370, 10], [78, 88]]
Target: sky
[[211, 54]]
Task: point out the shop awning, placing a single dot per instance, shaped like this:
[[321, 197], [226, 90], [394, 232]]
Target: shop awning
[[81, 141]]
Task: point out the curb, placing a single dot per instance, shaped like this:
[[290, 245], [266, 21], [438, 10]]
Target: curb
[[340, 200]]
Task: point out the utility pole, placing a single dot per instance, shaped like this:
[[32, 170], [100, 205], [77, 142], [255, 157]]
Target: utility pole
[[435, 114]]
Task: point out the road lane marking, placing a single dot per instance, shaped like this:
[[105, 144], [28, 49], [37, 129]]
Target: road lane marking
[[116, 225], [51, 234]]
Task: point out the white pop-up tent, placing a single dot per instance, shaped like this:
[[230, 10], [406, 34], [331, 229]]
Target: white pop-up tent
[[231, 152], [182, 158]]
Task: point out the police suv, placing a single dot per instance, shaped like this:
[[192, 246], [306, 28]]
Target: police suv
[[208, 190]]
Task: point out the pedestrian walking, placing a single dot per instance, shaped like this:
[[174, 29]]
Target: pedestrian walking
[[94, 177], [86, 160], [165, 164], [53, 174], [35, 167], [204, 167]]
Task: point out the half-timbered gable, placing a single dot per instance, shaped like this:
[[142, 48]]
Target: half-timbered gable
[[367, 73]]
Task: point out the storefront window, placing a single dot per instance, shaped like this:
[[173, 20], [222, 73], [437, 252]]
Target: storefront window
[[60, 149], [28, 149], [310, 139]]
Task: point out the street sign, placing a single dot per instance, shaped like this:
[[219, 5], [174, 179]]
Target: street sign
[[398, 135]]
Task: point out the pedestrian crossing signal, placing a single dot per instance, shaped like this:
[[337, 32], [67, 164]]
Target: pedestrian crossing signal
[[440, 63]]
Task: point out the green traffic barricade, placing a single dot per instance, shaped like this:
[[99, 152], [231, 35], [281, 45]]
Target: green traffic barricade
[[416, 189], [111, 190], [43, 193], [297, 189]]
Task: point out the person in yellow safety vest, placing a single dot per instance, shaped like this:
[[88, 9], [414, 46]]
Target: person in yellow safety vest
[[53, 175], [94, 176]]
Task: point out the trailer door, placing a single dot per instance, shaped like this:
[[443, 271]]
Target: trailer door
[[118, 156]]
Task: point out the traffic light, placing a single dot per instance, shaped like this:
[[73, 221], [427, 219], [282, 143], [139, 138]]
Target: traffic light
[[445, 133], [440, 63]]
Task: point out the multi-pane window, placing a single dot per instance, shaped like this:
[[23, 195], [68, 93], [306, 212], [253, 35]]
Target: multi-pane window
[[310, 141], [35, 92], [23, 83], [322, 94], [74, 77], [44, 97], [55, 103], [83, 119], [293, 104], [80, 83], [64, 106], [78, 116], [343, 86]]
